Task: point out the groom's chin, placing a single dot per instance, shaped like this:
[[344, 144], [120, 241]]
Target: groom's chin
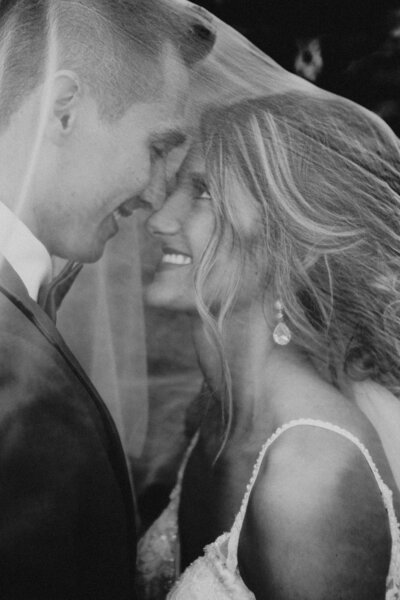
[[93, 255], [85, 254]]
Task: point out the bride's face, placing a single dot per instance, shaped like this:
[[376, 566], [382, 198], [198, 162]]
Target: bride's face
[[184, 226]]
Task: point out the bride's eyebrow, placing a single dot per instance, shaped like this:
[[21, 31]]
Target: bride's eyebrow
[[198, 181]]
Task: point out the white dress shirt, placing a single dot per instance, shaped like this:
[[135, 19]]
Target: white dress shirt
[[25, 253]]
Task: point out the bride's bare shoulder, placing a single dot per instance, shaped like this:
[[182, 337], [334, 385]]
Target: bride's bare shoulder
[[317, 520]]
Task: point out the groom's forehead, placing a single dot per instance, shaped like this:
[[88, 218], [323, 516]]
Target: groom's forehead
[[170, 107], [175, 75]]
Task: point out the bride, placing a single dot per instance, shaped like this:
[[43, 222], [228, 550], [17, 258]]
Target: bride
[[281, 239]]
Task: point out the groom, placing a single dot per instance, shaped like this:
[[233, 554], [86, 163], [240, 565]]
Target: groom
[[92, 98]]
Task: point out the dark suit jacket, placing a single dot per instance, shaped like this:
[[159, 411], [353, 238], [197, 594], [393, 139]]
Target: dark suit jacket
[[66, 507]]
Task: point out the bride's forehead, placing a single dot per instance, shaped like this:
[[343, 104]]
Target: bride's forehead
[[192, 173], [195, 160]]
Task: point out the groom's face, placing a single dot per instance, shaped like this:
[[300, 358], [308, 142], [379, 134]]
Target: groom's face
[[109, 169]]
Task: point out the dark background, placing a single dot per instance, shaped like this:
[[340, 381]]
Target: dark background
[[358, 40]]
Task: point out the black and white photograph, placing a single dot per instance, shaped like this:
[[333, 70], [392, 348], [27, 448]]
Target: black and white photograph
[[199, 300]]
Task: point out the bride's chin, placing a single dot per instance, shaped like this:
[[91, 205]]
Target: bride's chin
[[161, 296]]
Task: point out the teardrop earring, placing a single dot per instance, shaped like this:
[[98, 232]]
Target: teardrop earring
[[281, 334]]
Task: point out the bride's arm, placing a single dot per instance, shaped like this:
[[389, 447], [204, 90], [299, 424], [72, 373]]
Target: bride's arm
[[316, 527]]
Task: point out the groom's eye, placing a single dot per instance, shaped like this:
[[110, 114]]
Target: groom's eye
[[163, 143], [158, 151]]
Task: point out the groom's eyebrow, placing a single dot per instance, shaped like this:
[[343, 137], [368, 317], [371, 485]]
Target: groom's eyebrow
[[171, 138]]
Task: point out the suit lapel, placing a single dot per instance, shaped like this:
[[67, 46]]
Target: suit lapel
[[12, 284], [13, 288]]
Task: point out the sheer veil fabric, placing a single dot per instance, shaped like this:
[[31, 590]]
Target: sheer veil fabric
[[351, 140], [383, 410], [349, 150], [102, 321], [106, 305]]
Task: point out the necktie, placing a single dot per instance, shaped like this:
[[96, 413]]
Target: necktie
[[52, 294]]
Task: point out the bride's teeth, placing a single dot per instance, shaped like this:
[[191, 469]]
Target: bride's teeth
[[176, 259]]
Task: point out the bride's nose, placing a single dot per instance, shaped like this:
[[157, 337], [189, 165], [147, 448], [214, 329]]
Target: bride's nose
[[168, 219]]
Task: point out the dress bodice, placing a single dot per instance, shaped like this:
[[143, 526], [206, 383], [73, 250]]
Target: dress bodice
[[158, 556], [215, 574]]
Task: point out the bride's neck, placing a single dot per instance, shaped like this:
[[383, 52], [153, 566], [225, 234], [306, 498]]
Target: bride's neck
[[245, 346], [258, 367]]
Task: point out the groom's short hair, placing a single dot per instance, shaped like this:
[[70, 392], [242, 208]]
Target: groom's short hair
[[113, 45]]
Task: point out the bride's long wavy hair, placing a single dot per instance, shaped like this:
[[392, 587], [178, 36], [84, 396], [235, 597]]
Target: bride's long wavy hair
[[323, 176]]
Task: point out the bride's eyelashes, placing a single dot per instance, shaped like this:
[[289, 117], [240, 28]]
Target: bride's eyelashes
[[200, 188], [205, 195]]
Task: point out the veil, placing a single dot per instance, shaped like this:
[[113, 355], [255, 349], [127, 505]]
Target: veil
[[351, 139], [102, 318], [102, 321]]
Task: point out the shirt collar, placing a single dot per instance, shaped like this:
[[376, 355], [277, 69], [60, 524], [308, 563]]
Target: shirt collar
[[25, 253]]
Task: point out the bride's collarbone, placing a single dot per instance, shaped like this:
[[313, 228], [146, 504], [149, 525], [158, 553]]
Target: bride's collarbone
[[228, 457], [211, 497], [216, 477]]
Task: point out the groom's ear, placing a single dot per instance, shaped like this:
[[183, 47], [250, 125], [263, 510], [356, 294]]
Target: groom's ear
[[64, 105]]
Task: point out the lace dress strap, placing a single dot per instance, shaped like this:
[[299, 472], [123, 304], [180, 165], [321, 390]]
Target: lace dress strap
[[385, 492]]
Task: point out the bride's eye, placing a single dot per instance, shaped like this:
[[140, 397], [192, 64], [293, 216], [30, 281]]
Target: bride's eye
[[205, 195], [200, 189]]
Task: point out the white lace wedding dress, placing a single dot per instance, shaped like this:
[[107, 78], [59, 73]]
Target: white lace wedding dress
[[215, 575]]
